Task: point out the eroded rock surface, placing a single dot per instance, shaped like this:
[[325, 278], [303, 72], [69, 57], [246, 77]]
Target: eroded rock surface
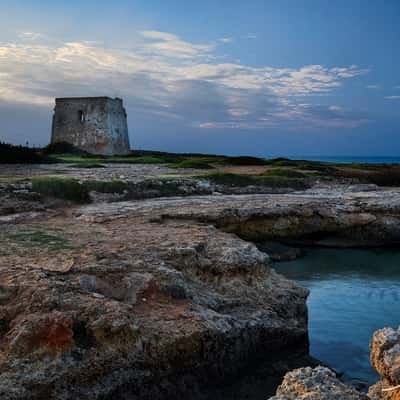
[[317, 216], [94, 305], [385, 358], [319, 383]]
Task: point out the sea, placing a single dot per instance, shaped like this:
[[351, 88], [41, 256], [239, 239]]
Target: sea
[[347, 159], [353, 293]]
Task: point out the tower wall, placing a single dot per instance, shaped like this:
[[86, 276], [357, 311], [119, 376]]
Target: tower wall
[[97, 125]]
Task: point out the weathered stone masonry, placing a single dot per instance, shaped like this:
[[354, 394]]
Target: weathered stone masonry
[[97, 125]]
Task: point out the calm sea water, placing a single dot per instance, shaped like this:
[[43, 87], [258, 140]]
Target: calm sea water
[[352, 294], [349, 159]]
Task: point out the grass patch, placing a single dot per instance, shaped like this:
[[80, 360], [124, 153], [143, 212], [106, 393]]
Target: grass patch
[[192, 163], [62, 188], [40, 238], [230, 179]]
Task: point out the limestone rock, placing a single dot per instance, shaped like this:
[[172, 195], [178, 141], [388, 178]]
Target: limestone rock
[[319, 383], [147, 309], [385, 358]]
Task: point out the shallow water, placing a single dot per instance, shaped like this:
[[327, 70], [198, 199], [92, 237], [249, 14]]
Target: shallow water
[[352, 293]]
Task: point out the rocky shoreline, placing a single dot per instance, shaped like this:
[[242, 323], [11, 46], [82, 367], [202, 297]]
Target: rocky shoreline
[[169, 297]]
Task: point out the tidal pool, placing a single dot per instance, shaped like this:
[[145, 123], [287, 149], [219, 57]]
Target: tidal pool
[[353, 292]]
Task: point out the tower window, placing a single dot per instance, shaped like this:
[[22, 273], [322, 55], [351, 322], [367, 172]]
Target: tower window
[[81, 116]]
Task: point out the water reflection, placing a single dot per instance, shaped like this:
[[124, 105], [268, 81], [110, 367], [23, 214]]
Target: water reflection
[[353, 293]]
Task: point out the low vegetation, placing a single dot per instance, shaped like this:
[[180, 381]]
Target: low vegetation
[[62, 188], [279, 172], [73, 190], [77, 160], [230, 179], [41, 238], [192, 163], [10, 154]]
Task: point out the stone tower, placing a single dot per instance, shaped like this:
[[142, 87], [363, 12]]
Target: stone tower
[[95, 124]]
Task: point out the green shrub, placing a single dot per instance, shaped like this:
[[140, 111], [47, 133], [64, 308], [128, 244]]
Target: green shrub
[[10, 154], [63, 188]]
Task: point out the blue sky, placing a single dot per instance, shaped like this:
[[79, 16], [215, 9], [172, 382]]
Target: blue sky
[[262, 77]]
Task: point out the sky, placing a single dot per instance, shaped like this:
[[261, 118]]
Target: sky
[[258, 77]]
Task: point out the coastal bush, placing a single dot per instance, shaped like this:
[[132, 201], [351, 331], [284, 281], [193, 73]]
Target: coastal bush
[[192, 163], [10, 154]]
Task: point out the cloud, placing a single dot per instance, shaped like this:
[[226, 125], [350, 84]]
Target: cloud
[[225, 40], [168, 78], [170, 45], [392, 97], [31, 36], [374, 87]]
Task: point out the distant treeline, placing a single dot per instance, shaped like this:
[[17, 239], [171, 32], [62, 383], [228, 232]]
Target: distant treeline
[[11, 154]]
